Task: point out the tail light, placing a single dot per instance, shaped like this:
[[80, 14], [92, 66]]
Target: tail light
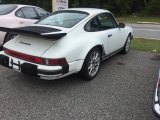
[[61, 61], [37, 60], [158, 83]]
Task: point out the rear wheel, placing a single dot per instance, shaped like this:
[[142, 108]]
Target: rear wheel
[[91, 64], [127, 45], [8, 37]]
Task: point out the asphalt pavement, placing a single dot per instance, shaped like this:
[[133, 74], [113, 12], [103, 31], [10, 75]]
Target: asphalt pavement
[[122, 90], [149, 31]]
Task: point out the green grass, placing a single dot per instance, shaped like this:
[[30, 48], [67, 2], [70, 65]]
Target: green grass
[[146, 45], [131, 19]]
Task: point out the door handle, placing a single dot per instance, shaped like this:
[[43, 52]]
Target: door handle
[[21, 22], [110, 35]]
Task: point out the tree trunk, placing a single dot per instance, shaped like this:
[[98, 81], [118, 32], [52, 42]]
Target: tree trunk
[[80, 3], [145, 3]]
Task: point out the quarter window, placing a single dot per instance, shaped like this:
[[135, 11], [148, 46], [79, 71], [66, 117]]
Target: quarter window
[[93, 25], [29, 13], [20, 14], [41, 12]]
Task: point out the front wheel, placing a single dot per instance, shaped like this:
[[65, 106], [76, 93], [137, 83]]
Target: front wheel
[[127, 45], [91, 64]]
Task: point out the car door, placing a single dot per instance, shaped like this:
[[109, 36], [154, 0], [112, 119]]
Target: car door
[[26, 16], [93, 27], [114, 38]]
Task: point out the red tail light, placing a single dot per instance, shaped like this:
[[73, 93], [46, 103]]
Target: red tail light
[[158, 83], [61, 61], [34, 59]]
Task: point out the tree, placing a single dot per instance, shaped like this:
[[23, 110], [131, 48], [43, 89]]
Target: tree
[[153, 8], [118, 7]]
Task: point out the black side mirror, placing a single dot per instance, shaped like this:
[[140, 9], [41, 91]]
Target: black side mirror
[[121, 25]]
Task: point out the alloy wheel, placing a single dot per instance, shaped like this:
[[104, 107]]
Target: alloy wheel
[[94, 63]]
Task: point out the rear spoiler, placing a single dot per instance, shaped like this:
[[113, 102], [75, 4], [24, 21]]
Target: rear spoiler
[[46, 32]]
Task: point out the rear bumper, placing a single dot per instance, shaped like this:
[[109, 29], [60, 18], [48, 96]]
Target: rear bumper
[[156, 99], [40, 71]]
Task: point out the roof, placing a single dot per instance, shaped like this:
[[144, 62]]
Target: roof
[[89, 10], [19, 5]]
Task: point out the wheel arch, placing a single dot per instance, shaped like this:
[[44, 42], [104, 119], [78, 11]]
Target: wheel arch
[[81, 72], [130, 34], [99, 46]]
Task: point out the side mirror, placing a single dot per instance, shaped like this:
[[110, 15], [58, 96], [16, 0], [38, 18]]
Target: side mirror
[[121, 25]]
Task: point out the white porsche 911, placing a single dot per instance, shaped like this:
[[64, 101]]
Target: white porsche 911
[[69, 41]]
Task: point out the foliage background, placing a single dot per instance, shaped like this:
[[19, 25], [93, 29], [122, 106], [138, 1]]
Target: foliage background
[[118, 7]]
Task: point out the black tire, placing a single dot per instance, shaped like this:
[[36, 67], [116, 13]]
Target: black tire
[[8, 37], [85, 72], [126, 47]]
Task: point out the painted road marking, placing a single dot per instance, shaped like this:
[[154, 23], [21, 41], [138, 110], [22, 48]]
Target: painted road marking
[[147, 38], [147, 30]]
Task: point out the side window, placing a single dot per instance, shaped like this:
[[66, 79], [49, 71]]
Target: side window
[[29, 13], [92, 25], [41, 12], [101, 22], [19, 13], [106, 21]]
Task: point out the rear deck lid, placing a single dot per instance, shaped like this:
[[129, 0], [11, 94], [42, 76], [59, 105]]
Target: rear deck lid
[[30, 45], [33, 40]]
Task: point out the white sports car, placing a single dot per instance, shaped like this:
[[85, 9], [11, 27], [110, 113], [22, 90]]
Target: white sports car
[[69, 41], [156, 98]]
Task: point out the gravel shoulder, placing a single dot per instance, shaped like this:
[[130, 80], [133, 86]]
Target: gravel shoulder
[[122, 90]]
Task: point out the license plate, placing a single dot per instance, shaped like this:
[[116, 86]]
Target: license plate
[[15, 64]]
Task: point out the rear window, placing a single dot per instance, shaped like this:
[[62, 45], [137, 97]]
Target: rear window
[[64, 18], [6, 9]]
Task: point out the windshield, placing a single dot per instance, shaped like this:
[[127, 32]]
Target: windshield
[[6, 9], [65, 19]]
